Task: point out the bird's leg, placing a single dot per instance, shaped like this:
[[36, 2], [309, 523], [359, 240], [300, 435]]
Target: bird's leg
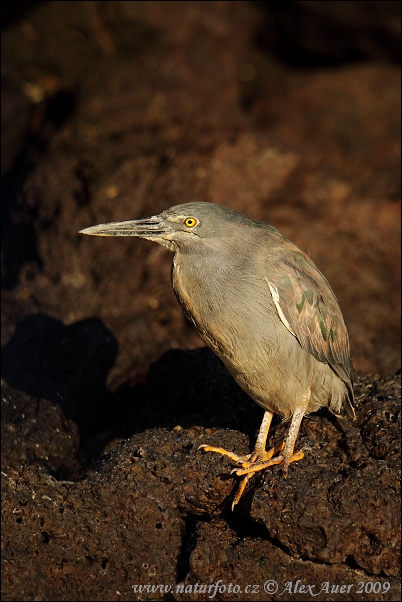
[[287, 456], [261, 458], [258, 456], [259, 450]]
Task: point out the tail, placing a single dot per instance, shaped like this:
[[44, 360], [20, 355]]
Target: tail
[[342, 406]]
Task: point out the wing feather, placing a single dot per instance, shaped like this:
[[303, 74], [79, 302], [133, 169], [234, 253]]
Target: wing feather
[[309, 309]]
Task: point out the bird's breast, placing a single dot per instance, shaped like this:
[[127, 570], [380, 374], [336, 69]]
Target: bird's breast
[[231, 309], [203, 307]]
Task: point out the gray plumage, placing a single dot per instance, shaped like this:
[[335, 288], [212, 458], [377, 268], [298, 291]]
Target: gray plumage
[[260, 303]]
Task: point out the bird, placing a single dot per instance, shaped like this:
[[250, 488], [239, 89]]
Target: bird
[[261, 304]]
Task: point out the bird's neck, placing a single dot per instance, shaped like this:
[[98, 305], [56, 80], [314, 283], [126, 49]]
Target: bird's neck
[[207, 284]]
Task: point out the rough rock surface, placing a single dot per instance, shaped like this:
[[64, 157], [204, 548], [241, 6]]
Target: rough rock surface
[[156, 510], [116, 110]]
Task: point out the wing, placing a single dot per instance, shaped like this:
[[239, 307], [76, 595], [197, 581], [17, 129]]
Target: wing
[[309, 309]]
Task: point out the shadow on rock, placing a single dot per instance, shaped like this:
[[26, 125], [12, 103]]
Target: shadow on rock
[[188, 388], [66, 365], [62, 370]]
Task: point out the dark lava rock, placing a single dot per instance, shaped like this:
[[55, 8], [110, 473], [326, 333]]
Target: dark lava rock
[[157, 511], [288, 112]]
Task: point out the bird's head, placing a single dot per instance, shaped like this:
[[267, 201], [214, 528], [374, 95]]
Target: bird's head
[[181, 227]]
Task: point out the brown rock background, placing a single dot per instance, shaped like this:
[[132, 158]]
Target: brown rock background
[[289, 112]]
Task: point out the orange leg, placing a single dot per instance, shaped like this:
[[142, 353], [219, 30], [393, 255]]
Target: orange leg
[[260, 458]]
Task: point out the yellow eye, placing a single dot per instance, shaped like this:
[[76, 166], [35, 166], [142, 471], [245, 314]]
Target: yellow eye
[[190, 222]]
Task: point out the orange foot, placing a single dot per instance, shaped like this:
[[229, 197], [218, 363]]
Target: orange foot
[[252, 463]]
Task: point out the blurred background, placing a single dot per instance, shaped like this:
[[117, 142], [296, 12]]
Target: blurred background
[[286, 111]]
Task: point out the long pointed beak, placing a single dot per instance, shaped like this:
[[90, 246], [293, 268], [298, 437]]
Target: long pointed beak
[[152, 228]]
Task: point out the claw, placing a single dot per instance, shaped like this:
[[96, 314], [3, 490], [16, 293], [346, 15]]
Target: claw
[[239, 492], [225, 452], [259, 458]]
